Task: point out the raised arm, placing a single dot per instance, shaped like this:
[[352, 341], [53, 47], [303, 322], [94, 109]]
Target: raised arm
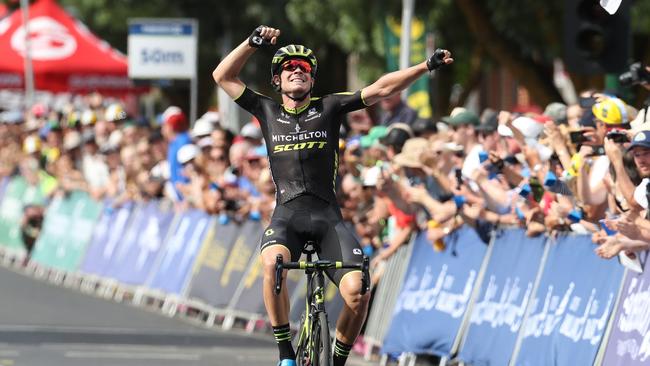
[[399, 80], [227, 72]]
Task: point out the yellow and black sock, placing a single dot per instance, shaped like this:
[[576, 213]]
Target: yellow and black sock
[[282, 335], [341, 353]]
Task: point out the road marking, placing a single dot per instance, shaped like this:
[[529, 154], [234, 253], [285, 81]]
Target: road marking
[[6, 362], [131, 355]]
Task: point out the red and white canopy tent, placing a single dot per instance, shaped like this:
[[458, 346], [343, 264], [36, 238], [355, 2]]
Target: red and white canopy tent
[[66, 56]]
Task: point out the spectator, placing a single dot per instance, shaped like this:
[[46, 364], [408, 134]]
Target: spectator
[[396, 110], [175, 129]]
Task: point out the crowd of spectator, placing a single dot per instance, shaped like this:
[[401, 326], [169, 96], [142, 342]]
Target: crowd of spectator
[[580, 168]]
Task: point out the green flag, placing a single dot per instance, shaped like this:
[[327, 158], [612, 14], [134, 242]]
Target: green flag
[[418, 93]]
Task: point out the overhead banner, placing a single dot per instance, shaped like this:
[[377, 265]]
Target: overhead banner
[[505, 292], [67, 230], [172, 274], [107, 233], [144, 244], [436, 290], [162, 48], [572, 305], [629, 341]]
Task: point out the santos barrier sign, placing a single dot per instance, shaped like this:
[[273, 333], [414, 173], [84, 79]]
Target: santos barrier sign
[[505, 293], [629, 343], [436, 290], [573, 303]]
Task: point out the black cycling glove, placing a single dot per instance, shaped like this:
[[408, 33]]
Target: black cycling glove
[[256, 40], [436, 60]]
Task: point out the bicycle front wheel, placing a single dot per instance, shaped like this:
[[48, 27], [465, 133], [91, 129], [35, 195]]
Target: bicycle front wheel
[[322, 342]]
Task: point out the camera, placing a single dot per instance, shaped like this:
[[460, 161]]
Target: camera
[[578, 137], [618, 136], [637, 74]]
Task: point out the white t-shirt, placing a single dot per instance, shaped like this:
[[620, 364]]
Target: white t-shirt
[[640, 193]]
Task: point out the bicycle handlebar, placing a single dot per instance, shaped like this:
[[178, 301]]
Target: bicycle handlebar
[[321, 265]]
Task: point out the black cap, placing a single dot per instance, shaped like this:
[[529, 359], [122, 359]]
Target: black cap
[[421, 126], [489, 122]]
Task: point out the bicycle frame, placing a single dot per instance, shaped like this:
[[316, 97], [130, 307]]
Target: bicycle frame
[[314, 305], [314, 336]]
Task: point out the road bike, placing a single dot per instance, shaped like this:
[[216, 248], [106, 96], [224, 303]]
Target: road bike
[[313, 342]]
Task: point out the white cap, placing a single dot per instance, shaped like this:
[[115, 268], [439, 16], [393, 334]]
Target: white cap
[[186, 153], [251, 130], [528, 127], [202, 127], [211, 116]]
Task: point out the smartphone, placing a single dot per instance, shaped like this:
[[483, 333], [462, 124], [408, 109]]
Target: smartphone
[[459, 177], [587, 102], [578, 137], [536, 188], [618, 136]]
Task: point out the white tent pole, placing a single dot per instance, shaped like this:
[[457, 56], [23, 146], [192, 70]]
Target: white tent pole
[[29, 72]]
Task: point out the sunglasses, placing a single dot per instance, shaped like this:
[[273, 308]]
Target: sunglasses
[[292, 65]]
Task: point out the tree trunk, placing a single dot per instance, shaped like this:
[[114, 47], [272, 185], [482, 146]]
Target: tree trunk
[[534, 77], [475, 75]]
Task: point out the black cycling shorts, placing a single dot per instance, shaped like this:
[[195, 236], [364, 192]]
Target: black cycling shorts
[[308, 218]]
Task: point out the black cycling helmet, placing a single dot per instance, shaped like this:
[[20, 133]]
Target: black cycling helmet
[[293, 51]]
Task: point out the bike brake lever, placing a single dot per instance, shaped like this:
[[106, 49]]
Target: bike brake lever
[[278, 274]]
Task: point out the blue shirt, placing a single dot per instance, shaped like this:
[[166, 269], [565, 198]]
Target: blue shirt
[[175, 167]]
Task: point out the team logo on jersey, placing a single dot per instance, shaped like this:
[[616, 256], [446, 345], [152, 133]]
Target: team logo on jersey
[[319, 145], [269, 232], [312, 113], [286, 122], [297, 128], [357, 251]]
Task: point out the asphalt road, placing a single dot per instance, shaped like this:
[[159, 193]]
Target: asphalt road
[[42, 324]]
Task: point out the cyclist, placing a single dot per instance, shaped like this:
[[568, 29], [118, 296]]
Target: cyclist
[[301, 136]]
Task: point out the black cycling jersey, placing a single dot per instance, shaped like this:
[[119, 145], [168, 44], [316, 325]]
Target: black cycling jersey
[[303, 144]]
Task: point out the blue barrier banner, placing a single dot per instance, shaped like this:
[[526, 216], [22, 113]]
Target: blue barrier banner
[[571, 306], [119, 241], [207, 283], [251, 300], [436, 291], [145, 238], [629, 341], [172, 275], [505, 291], [106, 234]]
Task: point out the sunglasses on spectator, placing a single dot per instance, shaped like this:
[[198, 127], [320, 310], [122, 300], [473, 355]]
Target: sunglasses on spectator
[[292, 65]]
